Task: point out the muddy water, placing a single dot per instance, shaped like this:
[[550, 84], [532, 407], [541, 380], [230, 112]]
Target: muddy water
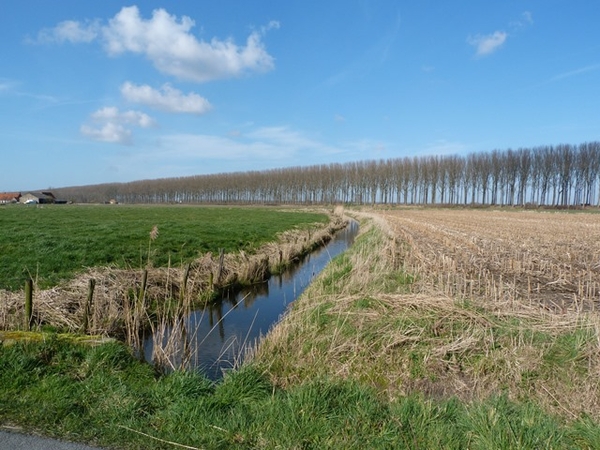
[[219, 334]]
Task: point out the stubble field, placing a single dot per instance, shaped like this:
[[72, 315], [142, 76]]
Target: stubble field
[[449, 303], [548, 258]]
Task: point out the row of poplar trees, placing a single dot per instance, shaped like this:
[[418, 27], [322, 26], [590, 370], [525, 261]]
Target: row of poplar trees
[[562, 175]]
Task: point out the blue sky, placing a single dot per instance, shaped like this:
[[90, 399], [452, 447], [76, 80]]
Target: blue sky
[[94, 92]]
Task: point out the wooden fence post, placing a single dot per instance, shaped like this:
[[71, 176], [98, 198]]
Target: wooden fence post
[[183, 287], [142, 292], [28, 304], [221, 261], [88, 305]]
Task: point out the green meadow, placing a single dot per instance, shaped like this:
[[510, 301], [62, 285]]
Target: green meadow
[[357, 362], [52, 243], [103, 396]]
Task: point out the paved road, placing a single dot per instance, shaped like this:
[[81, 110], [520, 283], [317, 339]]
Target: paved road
[[10, 440]]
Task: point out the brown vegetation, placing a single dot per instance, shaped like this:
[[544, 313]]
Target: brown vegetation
[[508, 256], [465, 303]]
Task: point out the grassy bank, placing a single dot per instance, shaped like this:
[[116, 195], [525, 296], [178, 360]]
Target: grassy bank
[[101, 395]]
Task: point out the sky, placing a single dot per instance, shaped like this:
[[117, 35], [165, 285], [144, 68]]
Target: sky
[[99, 92]]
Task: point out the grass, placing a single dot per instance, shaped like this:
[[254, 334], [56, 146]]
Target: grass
[[102, 396], [54, 242], [360, 361]]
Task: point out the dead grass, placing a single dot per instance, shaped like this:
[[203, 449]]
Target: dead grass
[[462, 322], [530, 257]]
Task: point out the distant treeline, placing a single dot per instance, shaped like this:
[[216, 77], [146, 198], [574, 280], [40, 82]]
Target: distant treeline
[[561, 175]]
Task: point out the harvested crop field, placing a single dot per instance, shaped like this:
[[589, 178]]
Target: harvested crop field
[[459, 303], [552, 258]]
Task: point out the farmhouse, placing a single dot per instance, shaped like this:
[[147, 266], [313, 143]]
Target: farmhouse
[[9, 197], [38, 197]]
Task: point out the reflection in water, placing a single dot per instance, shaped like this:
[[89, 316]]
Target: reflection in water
[[219, 333]]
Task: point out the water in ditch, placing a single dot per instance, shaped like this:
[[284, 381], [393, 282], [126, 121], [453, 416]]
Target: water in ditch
[[219, 333]]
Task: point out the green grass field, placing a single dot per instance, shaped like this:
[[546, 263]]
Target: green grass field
[[101, 395], [53, 242]]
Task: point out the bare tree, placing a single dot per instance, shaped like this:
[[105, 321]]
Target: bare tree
[[523, 173], [566, 165], [564, 174]]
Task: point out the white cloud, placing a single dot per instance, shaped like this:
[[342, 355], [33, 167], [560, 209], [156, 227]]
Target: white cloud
[[166, 99], [70, 31], [366, 149], [109, 132], [273, 24], [112, 114], [575, 72], [241, 150], [9, 87], [289, 141], [202, 146], [169, 44], [6, 85], [443, 147], [523, 21], [487, 44], [267, 146], [172, 49], [112, 125]]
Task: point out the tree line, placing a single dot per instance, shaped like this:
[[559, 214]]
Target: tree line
[[562, 175]]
